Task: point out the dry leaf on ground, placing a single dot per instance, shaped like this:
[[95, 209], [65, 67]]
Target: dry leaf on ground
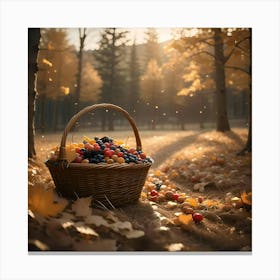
[[96, 220], [82, 228], [82, 207], [43, 202], [185, 219], [246, 198]]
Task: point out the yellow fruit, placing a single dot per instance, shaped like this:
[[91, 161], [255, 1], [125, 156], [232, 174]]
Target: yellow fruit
[[121, 160], [115, 157]]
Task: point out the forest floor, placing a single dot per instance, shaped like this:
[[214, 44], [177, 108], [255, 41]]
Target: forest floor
[[199, 166]]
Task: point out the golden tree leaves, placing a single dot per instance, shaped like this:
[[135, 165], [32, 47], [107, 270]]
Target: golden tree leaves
[[43, 201]]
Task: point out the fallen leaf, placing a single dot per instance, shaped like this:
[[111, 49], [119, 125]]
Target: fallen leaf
[[210, 203], [164, 228], [42, 201], [246, 198], [185, 219], [58, 235], [65, 220], [82, 207], [82, 228], [123, 225], [192, 202], [96, 220], [134, 234], [38, 244], [175, 247]]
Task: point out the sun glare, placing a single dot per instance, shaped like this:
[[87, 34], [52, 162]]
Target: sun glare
[[137, 34]]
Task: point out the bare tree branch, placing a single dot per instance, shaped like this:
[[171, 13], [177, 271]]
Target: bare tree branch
[[236, 45], [238, 68]]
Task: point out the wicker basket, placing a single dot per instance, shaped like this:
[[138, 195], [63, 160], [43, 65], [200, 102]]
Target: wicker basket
[[116, 184]]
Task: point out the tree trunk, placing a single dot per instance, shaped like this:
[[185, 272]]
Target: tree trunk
[[33, 48], [42, 113], [222, 117], [248, 146], [82, 37], [201, 111], [55, 115]]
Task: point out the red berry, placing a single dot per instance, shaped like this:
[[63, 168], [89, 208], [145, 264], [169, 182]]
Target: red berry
[[197, 217], [78, 159], [142, 155], [120, 154], [200, 199], [96, 147], [89, 147], [78, 150], [153, 193], [175, 196], [131, 151], [107, 145], [154, 198], [108, 152]]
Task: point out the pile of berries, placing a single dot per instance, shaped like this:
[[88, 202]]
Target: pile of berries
[[105, 150]]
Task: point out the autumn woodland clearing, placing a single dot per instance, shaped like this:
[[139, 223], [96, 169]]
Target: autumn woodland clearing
[[183, 161], [188, 93]]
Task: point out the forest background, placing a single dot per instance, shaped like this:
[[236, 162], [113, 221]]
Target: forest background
[[184, 80]]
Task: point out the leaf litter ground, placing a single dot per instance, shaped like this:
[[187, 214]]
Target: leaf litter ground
[[194, 171]]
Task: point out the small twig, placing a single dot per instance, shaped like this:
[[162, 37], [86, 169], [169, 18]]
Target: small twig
[[104, 207], [76, 195], [110, 202]]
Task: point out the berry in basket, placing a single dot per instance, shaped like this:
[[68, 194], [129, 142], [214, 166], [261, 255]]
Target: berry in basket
[[101, 151]]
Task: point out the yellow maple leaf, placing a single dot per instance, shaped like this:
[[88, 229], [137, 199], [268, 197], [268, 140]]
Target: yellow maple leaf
[[43, 202]]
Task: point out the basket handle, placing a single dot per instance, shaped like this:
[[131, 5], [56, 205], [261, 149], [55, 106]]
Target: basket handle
[[70, 124]]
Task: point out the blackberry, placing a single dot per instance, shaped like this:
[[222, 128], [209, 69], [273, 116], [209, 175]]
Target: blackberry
[[158, 186], [99, 142], [105, 139]]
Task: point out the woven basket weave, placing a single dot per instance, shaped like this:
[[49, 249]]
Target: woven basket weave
[[116, 184]]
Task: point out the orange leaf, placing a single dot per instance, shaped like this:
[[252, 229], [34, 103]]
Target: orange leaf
[[192, 202], [209, 203], [185, 219], [43, 202], [246, 198]]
